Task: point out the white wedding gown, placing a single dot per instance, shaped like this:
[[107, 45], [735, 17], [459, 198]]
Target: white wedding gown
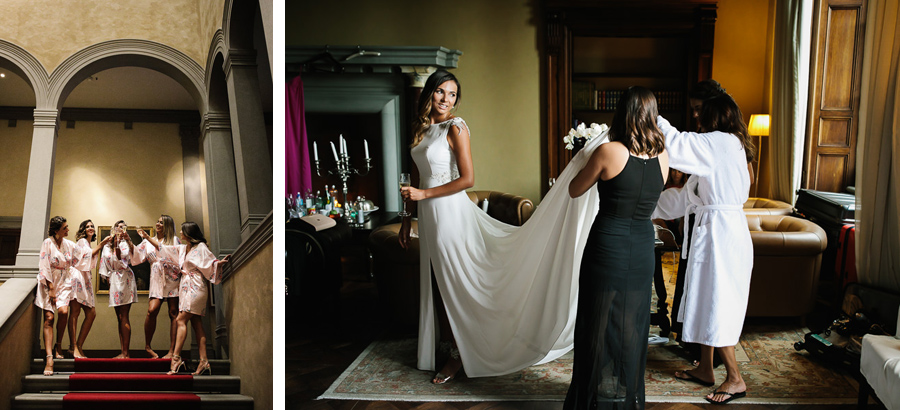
[[510, 292]]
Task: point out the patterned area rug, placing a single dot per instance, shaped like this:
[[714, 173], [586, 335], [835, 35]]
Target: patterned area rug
[[775, 373]]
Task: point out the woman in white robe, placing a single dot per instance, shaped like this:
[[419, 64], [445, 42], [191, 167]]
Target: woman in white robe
[[510, 293], [53, 290], [115, 266], [720, 253], [165, 280], [199, 268], [82, 286]]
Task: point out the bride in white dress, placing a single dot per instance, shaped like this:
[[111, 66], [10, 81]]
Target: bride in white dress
[[509, 292]]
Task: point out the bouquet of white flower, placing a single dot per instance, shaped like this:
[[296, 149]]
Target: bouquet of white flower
[[580, 135]]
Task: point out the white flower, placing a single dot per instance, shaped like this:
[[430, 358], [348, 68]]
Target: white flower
[[581, 131], [596, 130]]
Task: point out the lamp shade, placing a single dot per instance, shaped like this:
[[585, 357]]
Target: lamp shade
[[759, 125]]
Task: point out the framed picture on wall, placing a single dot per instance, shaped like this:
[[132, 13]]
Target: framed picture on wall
[[141, 272]]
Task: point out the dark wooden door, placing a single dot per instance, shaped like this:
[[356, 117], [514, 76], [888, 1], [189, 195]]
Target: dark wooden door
[[9, 245], [838, 39]]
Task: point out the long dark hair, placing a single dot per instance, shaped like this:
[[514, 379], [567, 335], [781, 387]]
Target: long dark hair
[[706, 89], [56, 224], [634, 123], [82, 231], [192, 231], [722, 113], [423, 112]]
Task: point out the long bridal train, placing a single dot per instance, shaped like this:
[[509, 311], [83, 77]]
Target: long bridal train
[[510, 292]]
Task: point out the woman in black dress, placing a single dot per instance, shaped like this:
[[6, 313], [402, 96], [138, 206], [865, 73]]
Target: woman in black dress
[[613, 315]]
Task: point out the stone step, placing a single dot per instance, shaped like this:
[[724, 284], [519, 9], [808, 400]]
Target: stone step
[[36, 401], [219, 367], [60, 383]]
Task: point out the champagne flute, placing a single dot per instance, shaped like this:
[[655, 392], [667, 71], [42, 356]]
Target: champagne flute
[[404, 183]]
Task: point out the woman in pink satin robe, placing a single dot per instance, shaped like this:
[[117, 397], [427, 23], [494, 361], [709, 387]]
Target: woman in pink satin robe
[[54, 290], [199, 267], [165, 281], [115, 266], [82, 286]]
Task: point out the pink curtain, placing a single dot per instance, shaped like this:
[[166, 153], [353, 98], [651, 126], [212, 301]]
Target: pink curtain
[[298, 173]]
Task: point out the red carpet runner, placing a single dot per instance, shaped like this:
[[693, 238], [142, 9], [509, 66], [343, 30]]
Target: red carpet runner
[[121, 365], [130, 401], [131, 382]]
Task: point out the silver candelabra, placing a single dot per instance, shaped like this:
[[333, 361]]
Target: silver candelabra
[[344, 170]]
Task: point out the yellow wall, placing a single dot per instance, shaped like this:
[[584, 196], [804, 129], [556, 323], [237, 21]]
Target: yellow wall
[[248, 295], [15, 150], [499, 69], [740, 60], [500, 66], [54, 30]]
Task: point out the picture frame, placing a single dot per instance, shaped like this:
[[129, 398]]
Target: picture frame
[[141, 271]]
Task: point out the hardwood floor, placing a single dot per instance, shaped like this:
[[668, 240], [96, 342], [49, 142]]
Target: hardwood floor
[[319, 349]]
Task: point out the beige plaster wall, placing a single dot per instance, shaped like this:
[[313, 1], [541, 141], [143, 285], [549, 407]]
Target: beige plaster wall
[[106, 173], [54, 30], [499, 69], [211, 15], [15, 149], [249, 319]]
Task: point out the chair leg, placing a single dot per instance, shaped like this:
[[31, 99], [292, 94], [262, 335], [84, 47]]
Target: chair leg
[[864, 391]]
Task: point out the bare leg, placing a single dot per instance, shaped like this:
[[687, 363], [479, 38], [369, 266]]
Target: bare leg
[[704, 369], [122, 313], [74, 311], [150, 325], [734, 383], [63, 313], [181, 326], [200, 334], [173, 313], [454, 363], [89, 315], [48, 342]]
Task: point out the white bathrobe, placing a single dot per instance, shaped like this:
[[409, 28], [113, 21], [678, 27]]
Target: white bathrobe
[[720, 253]]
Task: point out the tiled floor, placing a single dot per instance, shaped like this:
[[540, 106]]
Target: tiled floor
[[316, 354]]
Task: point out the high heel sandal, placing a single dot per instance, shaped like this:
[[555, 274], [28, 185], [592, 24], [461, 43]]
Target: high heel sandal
[[176, 365], [56, 354], [441, 378], [203, 366], [48, 364]]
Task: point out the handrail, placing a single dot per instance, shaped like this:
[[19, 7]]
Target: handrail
[[16, 295]]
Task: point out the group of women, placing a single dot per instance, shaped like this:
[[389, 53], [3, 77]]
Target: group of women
[[181, 268], [579, 272]]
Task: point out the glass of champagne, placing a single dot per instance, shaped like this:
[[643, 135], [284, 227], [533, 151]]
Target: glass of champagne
[[404, 183]]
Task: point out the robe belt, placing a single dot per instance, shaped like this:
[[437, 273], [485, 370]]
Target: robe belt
[[696, 209]]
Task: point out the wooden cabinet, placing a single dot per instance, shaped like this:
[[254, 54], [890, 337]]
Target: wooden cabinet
[[594, 50]]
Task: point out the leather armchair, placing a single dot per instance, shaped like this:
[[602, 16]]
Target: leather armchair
[[765, 206], [787, 257], [396, 269]]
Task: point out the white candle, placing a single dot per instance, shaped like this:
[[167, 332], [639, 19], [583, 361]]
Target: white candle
[[315, 151], [346, 151], [341, 143], [333, 151], [366, 145]]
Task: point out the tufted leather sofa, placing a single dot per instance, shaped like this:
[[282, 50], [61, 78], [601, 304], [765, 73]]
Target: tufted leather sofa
[[765, 206], [396, 269], [787, 256]]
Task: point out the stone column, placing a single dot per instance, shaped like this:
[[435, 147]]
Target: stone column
[[36, 215], [224, 211], [253, 163], [190, 158]]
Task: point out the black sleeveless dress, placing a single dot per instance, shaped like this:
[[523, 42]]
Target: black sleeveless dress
[[613, 314]]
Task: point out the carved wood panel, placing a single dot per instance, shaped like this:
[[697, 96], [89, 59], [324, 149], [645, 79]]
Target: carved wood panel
[[838, 39]]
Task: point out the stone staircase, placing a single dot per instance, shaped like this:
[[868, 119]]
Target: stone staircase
[[129, 384]]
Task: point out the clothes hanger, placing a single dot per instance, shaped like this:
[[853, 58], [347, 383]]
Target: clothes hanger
[[334, 66]]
